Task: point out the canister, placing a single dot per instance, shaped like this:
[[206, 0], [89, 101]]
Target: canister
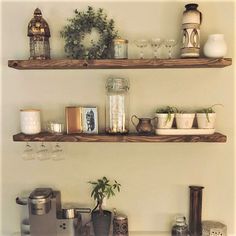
[[120, 225], [30, 121], [120, 48], [117, 105]]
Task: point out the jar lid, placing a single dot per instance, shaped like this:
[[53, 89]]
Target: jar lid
[[120, 40], [120, 217], [180, 220], [117, 84]]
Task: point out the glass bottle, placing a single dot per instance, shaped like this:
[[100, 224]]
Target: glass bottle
[[117, 105], [180, 228]]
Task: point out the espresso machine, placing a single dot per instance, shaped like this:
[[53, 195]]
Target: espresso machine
[[47, 218]]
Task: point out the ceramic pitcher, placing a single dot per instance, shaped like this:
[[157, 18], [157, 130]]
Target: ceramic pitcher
[[215, 47]]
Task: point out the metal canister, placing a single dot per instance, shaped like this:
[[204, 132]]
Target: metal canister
[[120, 48], [120, 225]]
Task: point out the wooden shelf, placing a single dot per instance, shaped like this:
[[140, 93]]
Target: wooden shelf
[[47, 137], [119, 64]]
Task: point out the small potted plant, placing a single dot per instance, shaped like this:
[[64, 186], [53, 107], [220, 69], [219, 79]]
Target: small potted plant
[[206, 117], [101, 219], [165, 117], [184, 119]]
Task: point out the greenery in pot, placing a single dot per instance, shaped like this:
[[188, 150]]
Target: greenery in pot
[[167, 110], [101, 219], [103, 188], [208, 110]]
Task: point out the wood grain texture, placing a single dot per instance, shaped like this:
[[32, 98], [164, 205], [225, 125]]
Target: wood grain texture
[[119, 64], [47, 137]]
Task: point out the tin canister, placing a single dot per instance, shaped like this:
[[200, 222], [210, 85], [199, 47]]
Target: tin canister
[[120, 48], [120, 225]]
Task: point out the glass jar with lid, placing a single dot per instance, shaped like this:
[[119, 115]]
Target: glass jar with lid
[[180, 228], [117, 105]]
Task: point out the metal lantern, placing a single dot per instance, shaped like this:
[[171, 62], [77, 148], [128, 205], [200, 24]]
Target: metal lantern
[[39, 33]]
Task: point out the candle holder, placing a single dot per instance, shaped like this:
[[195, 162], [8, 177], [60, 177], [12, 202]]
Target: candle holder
[[39, 33]]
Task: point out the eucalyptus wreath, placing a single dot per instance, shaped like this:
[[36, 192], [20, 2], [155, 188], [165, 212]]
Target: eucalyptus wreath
[[82, 24]]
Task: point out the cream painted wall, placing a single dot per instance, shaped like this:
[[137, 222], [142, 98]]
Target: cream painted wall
[[154, 177]]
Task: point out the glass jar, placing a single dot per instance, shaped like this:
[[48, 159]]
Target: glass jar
[[117, 105], [180, 228]]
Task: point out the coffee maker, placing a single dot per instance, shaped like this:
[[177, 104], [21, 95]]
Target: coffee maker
[[47, 218]]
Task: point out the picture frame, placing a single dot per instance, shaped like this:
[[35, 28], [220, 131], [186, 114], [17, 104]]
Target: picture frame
[[90, 120]]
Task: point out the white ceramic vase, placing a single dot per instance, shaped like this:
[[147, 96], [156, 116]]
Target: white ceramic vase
[[184, 120], [215, 47], [163, 122], [204, 123]]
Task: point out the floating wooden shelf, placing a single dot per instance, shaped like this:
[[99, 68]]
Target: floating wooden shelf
[[119, 64], [47, 137]]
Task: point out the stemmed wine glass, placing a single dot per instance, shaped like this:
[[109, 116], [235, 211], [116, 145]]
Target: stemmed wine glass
[[141, 44], [43, 152], [169, 44], [57, 152], [28, 152], [156, 43]]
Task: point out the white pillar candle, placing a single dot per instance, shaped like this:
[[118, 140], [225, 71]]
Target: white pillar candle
[[30, 121]]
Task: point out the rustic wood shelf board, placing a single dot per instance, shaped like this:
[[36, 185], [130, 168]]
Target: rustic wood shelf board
[[119, 64], [47, 137]]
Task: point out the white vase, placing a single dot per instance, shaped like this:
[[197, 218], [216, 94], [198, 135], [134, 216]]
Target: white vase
[[215, 47], [163, 122], [204, 123], [184, 120]]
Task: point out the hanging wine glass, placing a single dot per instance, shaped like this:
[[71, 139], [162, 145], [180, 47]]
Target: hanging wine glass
[[28, 153], [141, 44], [43, 152], [57, 152], [170, 44], [156, 43]]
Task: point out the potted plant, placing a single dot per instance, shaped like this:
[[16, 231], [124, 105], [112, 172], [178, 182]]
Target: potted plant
[[165, 117], [184, 119], [101, 219], [206, 117]]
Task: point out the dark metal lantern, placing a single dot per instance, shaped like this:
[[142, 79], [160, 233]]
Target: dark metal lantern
[[39, 33]]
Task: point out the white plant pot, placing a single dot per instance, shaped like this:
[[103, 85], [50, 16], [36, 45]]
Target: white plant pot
[[204, 123], [163, 122], [185, 120]]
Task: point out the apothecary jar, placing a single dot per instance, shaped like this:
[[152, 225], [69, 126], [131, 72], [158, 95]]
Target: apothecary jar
[[117, 105]]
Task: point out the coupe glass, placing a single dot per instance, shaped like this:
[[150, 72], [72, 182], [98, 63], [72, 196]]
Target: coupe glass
[[43, 152], [156, 43], [28, 153], [57, 152], [141, 44], [169, 44]]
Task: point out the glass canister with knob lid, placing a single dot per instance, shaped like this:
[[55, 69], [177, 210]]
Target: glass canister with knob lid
[[180, 228], [117, 105]]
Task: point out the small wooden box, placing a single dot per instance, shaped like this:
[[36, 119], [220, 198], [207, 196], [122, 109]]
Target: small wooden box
[[73, 120]]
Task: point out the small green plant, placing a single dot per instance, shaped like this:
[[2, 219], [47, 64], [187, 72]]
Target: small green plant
[[103, 188], [208, 110], [167, 110]]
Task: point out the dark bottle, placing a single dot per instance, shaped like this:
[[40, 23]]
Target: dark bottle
[[195, 213], [180, 228]]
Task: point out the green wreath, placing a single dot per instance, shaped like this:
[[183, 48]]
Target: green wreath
[[82, 24]]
